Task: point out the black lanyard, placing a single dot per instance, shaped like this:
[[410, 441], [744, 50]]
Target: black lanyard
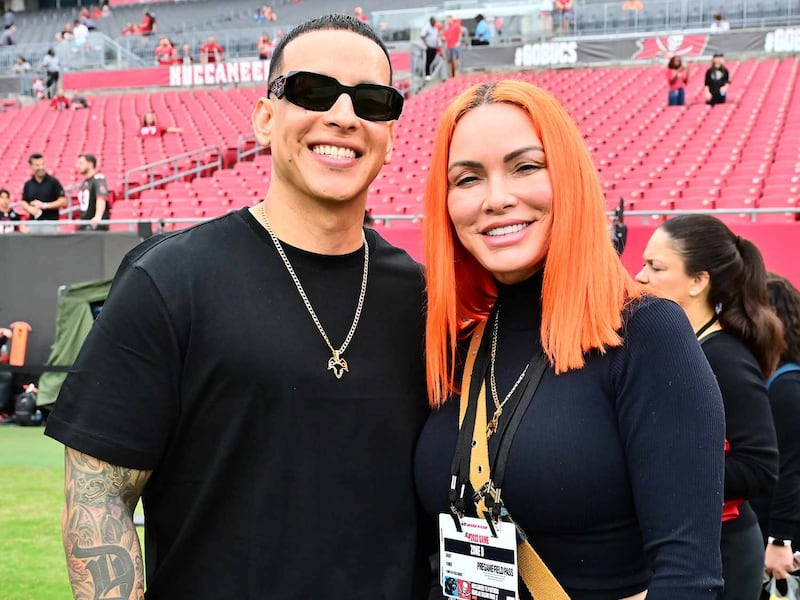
[[705, 327], [460, 468]]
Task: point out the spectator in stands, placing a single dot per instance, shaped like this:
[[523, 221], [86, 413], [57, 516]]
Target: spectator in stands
[[150, 128], [66, 33], [264, 47], [106, 10], [430, 37], [453, 33], [60, 100], [481, 37], [38, 88], [359, 14], [77, 102], [717, 81], [546, 15], [633, 5], [52, 68], [211, 51], [173, 325], [10, 222], [677, 79], [719, 280], [269, 14], [146, 27], [498, 25], [258, 15], [564, 12], [9, 19], [21, 66], [511, 184], [186, 55], [779, 514], [165, 52], [719, 24], [93, 197], [43, 195], [95, 12], [80, 32], [9, 36]]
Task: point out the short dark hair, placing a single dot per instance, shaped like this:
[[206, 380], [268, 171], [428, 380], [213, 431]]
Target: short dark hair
[[718, 55], [337, 22], [34, 156], [90, 158], [5, 191]]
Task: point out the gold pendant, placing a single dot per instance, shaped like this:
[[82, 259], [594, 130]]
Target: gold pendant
[[491, 428], [338, 365]]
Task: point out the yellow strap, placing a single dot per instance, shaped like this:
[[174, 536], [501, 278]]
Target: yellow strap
[[537, 577]]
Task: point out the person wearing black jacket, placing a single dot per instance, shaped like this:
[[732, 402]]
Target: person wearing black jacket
[[720, 281], [717, 81], [779, 514]]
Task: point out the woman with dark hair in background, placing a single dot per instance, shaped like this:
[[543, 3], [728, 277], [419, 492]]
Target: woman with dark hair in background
[[720, 281], [677, 78], [779, 515]]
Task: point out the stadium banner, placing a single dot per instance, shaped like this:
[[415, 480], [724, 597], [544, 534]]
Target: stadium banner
[[566, 52], [250, 71]]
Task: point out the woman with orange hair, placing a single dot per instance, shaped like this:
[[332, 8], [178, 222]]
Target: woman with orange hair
[[568, 401]]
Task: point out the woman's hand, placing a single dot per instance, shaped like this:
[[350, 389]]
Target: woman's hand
[[779, 561]]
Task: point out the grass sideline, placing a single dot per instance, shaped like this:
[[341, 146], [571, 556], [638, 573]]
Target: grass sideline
[[31, 498]]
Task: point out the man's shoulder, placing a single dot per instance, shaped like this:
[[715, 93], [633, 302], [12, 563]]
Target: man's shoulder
[[394, 258]]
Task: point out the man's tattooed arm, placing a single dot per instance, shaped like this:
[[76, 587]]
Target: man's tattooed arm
[[104, 558]]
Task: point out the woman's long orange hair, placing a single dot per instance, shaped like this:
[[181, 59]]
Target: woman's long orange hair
[[585, 285]]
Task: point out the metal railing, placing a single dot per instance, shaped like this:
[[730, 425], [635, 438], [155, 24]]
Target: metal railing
[[247, 146], [157, 175], [160, 224]]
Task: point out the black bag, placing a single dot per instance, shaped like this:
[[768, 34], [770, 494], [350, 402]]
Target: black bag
[[25, 411]]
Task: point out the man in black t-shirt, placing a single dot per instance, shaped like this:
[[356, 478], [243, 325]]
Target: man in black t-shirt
[[717, 81], [258, 380], [43, 195], [9, 219], [92, 195]]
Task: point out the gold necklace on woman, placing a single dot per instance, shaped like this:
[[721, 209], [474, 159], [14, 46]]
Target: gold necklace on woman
[[336, 363], [491, 427]]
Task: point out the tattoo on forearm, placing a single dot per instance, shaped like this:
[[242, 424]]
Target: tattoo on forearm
[[104, 558]]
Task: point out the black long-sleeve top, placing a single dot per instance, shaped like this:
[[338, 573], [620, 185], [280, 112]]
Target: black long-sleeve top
[[779, 515], [616, 470], [751, 465]]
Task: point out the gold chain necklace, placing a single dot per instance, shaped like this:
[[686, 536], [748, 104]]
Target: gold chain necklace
[[491, 427], [336, 363]]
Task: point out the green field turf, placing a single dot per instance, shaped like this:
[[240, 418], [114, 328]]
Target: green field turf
[[31, 496]]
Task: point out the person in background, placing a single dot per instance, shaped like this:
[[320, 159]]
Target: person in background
[[430, 37], [60, 100], [21, 66], [719, 24], [719, 279], [332, 354], [264, 47], [359, 14], [93, 197], [186, 54], [165, 53], [524, 283], [43, 195], [779, 514], [9, 36], [677, 78], [564, 13], [53, 69], [10, 221], [453, 32], [211, 51], [481, 37], [717, 81], [152, 129]]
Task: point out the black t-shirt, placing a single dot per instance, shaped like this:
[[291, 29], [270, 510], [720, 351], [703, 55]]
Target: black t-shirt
[[47, 190], [715, 79], [615, 472], [779, 515], [751, 465], [272, 479], [91, 189], [7, 220]]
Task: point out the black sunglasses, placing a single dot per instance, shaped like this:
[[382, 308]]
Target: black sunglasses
[[319, 93]]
